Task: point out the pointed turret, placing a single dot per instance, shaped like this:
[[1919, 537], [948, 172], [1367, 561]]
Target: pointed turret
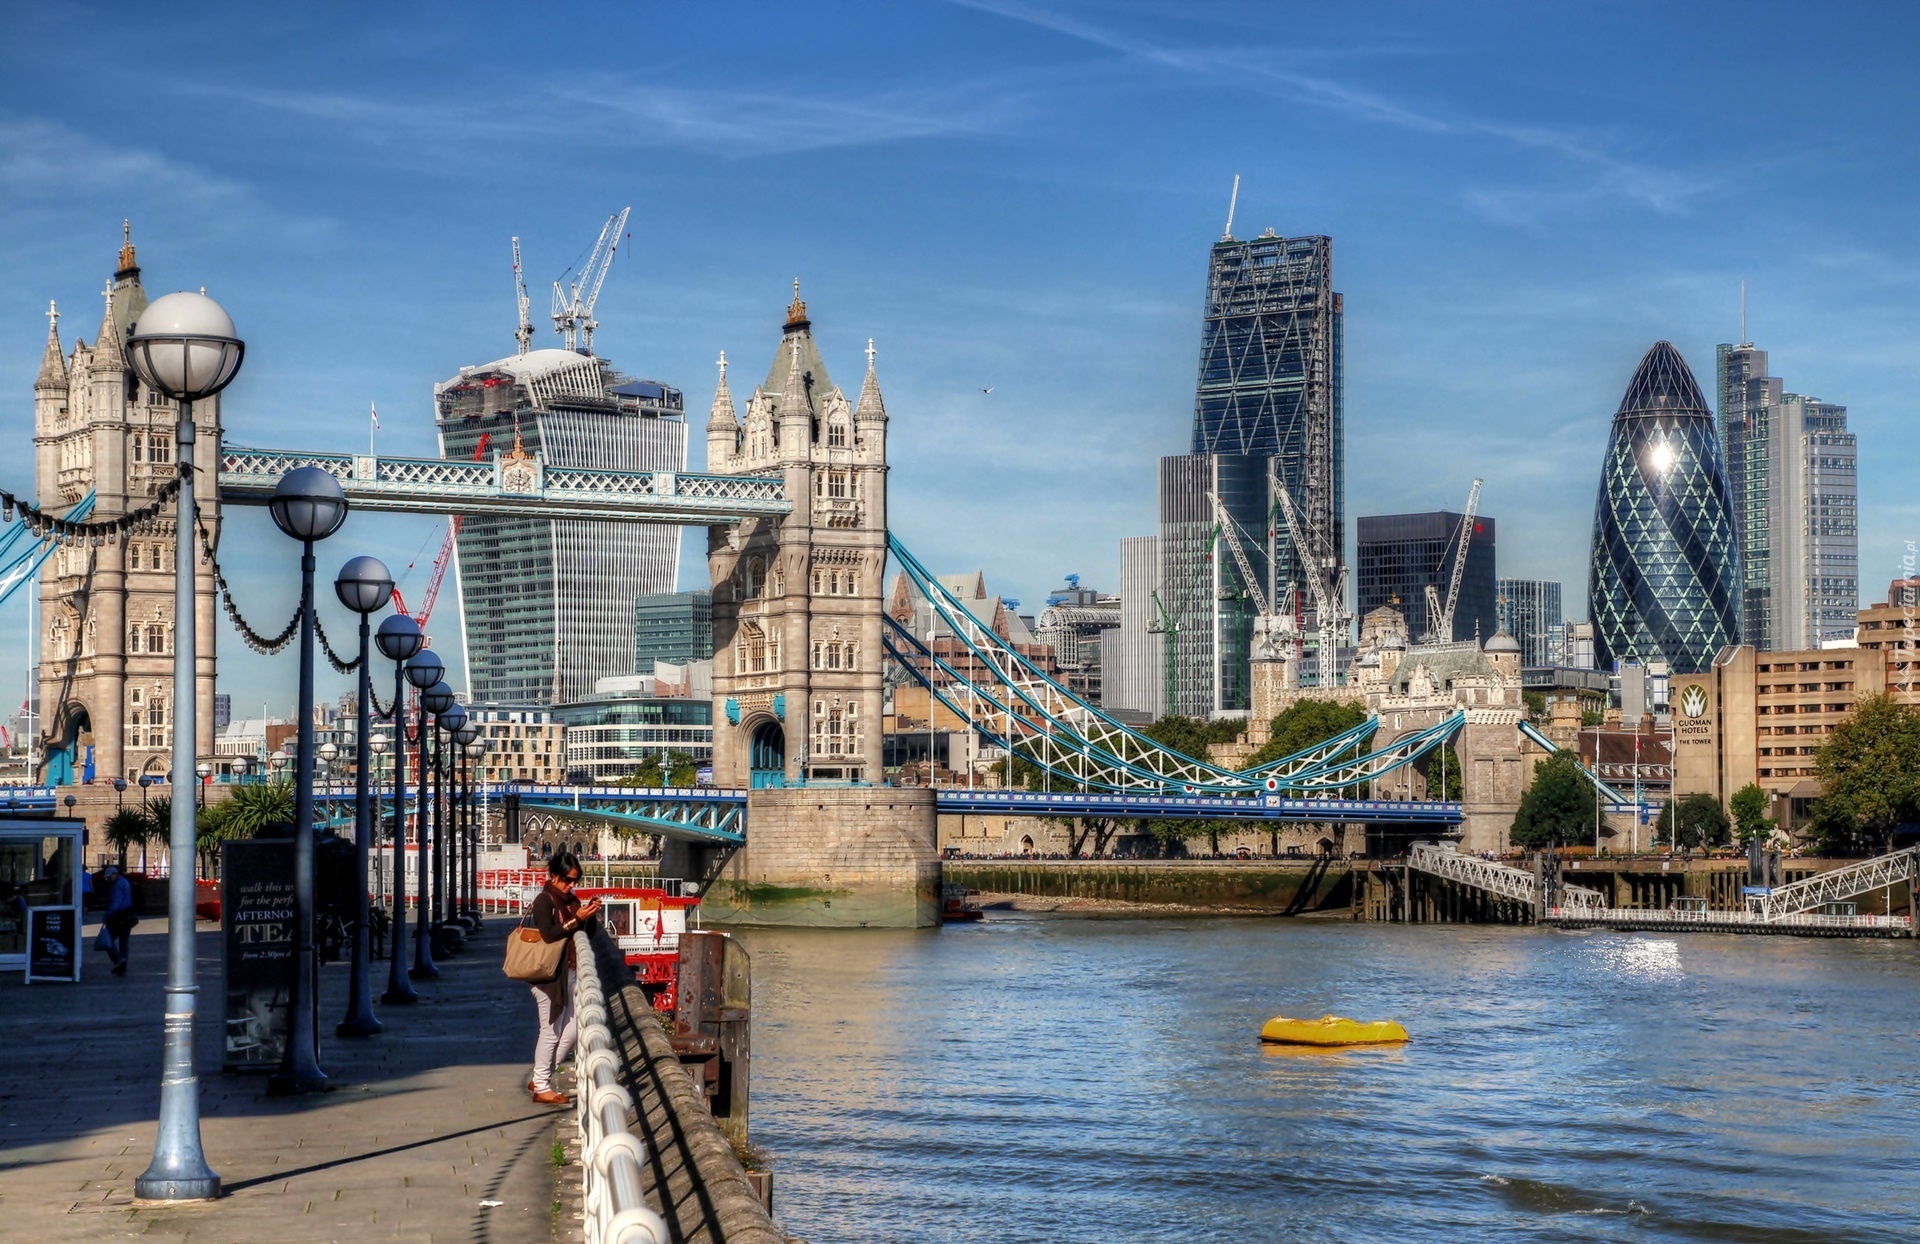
[[53, 364], [723, 414], [793, 390], [129, 296], [871, 408], [109, 353]]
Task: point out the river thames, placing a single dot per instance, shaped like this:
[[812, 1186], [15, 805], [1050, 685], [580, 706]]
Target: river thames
[[1048, 1078]]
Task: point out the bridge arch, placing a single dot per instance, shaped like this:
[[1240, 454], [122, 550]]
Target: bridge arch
[[767, 759]]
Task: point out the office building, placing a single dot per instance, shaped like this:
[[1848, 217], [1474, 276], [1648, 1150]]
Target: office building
[[1664, 578], [1203, 596], [547, 605], [1268, 399], [1133, 655], [675, 628], [627, 719], [1072, 624], [1399, 556], [525, 745], [1529, 609], [1791, 470]]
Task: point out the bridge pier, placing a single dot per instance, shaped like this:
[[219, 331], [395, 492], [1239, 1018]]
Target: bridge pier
[[831, 857]]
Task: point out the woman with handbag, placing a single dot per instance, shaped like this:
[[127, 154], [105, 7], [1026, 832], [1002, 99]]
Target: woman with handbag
[[557, 914]]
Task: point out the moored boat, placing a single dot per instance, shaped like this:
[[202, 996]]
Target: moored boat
[[1331, 1030]]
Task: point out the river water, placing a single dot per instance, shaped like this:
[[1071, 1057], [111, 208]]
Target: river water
[[1048, 1078]]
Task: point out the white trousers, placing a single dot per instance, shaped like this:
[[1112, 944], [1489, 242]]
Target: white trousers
[[554, 1003]]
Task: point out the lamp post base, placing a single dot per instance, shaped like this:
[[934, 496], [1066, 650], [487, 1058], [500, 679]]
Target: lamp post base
[[290, 1084], [368, 1027], [391, 998], [153, 1190]]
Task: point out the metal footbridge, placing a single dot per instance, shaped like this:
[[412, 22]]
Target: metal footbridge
[[523, 487], [1502, 880]]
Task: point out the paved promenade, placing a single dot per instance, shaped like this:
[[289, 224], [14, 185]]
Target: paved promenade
[[425, 1123]]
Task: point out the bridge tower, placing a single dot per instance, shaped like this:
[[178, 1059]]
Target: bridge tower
[[798, 657], [106, 610]]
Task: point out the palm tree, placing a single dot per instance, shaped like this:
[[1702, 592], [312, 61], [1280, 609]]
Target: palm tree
[[126, 829], [158, 809], [254, 808]]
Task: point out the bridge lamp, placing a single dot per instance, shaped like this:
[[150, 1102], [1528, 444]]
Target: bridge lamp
[[446, 806], [464, 737], [184, 347], [307, 505], [204, 772], [400, 641], [241, 766]]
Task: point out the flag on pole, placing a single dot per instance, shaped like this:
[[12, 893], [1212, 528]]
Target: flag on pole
[[375, 412]]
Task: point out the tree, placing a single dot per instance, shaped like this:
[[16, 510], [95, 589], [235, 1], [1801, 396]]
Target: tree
[[651, 773], [1696, 821], [1536, 704], [213, 826], [128, 828], [1442, 767], [257, 810], [1750, 819], [1870, 769], [1558, 807], [1308, 723], [681, 770]]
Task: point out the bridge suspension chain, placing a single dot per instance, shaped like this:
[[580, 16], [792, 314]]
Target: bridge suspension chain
[[268, 646]]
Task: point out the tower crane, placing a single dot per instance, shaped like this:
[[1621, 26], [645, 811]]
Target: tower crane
[[1439, 612], [445, 556], [524, 333], [1326, 581], [1271, 629], [573, 304]]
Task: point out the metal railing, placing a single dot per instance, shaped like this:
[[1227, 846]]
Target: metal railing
[[1896, 925], [1838, 885], [1495, 878], [612, 1159]]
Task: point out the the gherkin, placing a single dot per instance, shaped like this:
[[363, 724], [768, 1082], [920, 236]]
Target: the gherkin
[[1664, 583]]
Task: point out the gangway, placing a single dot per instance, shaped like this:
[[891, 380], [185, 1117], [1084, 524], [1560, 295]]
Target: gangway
[[1620, 802], [1495, 878], [1838, 885]]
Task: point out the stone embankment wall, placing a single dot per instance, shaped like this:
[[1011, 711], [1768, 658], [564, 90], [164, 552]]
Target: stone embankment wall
[[693, 1178], [1274, 887], [832, 857]]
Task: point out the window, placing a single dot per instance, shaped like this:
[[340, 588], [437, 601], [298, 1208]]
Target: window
[[836, 435], [156, 637]]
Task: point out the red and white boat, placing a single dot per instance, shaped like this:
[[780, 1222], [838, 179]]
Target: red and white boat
[[647, 922]]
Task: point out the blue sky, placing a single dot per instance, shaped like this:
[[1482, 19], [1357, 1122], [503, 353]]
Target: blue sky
[[1522, 199]]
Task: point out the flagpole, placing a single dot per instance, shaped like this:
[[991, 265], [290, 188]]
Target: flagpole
[[373, 426]]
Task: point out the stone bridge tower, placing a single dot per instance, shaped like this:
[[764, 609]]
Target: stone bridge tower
[[798, 658], [106, 609]]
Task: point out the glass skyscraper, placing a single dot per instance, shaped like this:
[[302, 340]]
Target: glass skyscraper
[[1271, 376], [1268, 396], [547, 605], [1530, 612], [1400, 555], [1664, 582], [1791, 465]]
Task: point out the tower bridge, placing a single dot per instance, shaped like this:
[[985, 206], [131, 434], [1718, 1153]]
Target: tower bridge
[[795, 506]]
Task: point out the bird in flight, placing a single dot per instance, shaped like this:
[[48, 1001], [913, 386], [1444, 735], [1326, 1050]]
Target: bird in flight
[[988, 389]]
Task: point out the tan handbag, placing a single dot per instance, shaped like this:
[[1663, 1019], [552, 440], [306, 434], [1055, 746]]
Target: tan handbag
[[531, 958]]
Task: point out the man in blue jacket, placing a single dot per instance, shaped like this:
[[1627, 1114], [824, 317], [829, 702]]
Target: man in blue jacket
[[120, 917]]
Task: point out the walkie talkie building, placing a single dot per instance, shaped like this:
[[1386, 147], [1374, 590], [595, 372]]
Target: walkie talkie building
[[1664, 583]]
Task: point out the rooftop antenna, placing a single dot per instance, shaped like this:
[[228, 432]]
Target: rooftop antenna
[[1743, 315], [1232, 203]]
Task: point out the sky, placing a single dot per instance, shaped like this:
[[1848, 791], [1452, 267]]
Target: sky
[[1522, 199]]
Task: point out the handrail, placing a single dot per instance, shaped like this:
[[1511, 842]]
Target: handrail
[[612, 1159]]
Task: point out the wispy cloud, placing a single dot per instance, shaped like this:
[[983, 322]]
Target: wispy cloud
[[42, 161], [1606, 172], [730, 124]]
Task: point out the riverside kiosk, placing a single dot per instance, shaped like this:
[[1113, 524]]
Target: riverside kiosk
[[40, 891]]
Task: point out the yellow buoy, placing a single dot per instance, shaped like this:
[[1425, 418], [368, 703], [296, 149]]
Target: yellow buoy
[[1331, 1030]]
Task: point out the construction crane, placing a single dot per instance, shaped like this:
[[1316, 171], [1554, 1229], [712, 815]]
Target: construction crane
[[1326, 582], [1440, 612], [524, 333], [573, 304], [1271, 629], [445, 556]]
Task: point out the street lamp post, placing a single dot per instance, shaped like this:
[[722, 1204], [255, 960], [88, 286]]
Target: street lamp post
[[120, 793], [364, 586], [307, 505], [204, 772], [241, 766], [475, 755], [445, 840], [184, 348], [463, 740], [400, 641], [425, 671]]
